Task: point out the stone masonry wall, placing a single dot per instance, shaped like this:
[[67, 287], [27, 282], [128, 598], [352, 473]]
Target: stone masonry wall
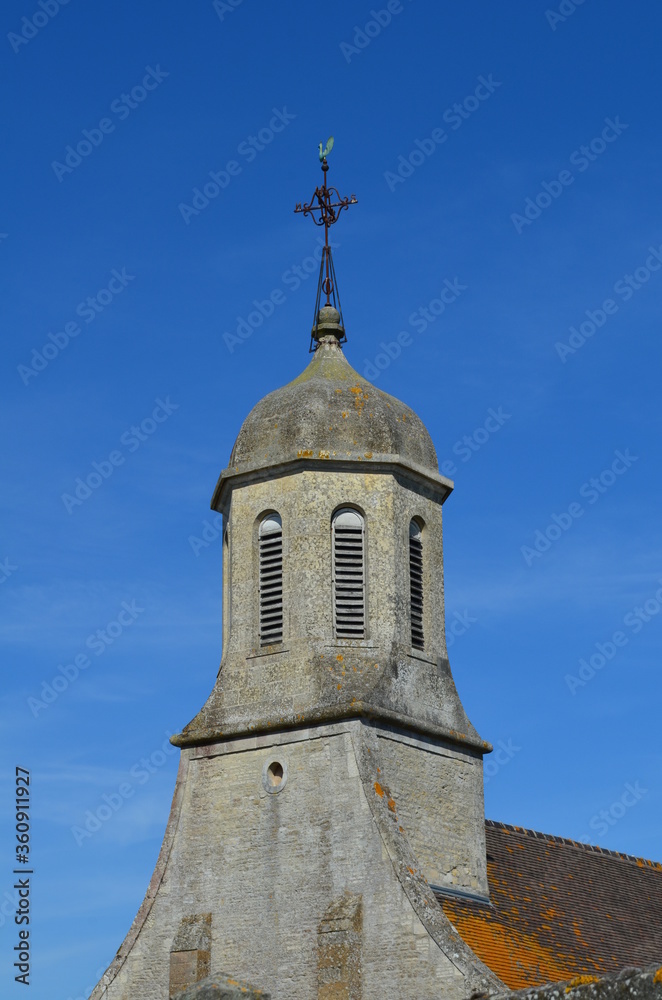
[[438, 789], [306, 502], [275, 861]]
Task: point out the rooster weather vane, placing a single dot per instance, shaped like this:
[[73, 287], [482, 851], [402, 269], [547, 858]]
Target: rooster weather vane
[[324, 208]]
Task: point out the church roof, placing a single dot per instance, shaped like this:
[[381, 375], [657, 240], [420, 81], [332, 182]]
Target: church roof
[[560, 909], [330, 412]]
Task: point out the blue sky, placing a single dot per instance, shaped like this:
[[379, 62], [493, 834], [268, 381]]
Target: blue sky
[[498, 148]]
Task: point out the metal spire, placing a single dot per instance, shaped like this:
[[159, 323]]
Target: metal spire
[[327, 202]]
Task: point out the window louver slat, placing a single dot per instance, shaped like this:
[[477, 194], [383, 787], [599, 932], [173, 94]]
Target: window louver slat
[[348, 576], [271, 583], [416, 586]]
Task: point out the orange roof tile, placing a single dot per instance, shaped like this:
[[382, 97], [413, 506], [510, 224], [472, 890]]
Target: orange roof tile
[[561, 909]]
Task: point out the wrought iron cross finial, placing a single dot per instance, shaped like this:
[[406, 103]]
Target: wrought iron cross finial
[[326, 201]]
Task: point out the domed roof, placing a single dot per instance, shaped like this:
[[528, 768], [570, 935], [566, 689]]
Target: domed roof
[[332, 412]]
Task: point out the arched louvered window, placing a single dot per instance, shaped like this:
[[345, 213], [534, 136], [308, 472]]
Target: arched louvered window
[[416, 584], [271, 579], [348, 575]]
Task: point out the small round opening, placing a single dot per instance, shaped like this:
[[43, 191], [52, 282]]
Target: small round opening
[[275, 774]]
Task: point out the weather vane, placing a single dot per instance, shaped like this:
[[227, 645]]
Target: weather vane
[[326, 201]]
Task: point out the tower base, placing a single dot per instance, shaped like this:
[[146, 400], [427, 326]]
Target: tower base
[[302, 860]]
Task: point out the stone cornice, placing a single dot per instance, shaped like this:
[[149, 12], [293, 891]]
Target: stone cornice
[[358, 710], [434, 484]]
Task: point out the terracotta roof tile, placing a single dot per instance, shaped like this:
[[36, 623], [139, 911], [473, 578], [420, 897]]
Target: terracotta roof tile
[[560, 909]]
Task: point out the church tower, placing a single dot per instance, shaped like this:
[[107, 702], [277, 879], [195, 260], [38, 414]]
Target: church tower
[[332, 783]]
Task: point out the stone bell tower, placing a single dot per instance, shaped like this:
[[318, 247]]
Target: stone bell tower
[[332, 780]]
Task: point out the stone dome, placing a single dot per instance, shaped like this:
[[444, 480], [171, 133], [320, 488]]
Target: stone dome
[[332, 412]]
